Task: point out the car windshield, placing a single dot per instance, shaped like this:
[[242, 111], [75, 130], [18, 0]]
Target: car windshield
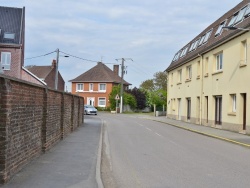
[[89, 106]]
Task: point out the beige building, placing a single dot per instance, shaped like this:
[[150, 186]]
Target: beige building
[[208, 78]]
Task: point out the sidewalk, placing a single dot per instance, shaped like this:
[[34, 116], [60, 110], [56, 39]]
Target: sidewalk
[[233, 137], [71, 163]]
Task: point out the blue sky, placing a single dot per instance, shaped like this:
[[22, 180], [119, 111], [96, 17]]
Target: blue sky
[[148, 31]]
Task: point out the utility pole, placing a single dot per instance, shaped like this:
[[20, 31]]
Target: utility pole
[[57, 64], [122, 75]]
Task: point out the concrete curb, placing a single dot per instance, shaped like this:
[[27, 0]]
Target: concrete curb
[[98, 163], [203, 133]]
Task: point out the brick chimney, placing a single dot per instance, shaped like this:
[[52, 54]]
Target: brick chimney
[[116, 69], [54, 63]]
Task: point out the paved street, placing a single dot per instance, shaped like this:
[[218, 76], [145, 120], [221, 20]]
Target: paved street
[[146, 153]]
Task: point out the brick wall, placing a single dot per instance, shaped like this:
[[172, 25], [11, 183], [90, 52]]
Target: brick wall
[[32, 120]]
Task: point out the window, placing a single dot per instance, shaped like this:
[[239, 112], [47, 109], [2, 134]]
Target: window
[[102, 102], [180, 75], [194, 45], [233, 99], [247, 12], [176, 57], [91, 87], [201, 41], [243, 52], [206, 66], [219, 30], [189, 72], [184, 51], [219, 62], [240, 15], [207, 36], [79, 87], [9, 36], [233, 19], [5, 60], [198, 69], [102, 87]]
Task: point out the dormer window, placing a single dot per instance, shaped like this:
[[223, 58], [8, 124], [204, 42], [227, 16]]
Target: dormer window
[[247, 13], [207, 36], [176, 57], [240, 15], [184, 51], [9, 36], [233, 19], [194, 45], [218, 32]]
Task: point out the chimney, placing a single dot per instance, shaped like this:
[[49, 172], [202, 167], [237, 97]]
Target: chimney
[[54, 63], [116, 69]]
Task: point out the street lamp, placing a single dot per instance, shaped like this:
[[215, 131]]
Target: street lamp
[[57, 64], [236, 28]]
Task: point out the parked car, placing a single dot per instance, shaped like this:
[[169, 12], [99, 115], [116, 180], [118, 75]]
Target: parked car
[[89, 109]]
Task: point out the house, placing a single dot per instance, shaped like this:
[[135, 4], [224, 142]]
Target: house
[[47, 74], [208, 77], [96, 84], [12, 43]]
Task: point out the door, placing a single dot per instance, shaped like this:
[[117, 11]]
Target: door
[[188, 109], [179, 109], [91, 101], [244, 109], [218, 110]]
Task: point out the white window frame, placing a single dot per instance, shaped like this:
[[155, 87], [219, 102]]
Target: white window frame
[[207, 36], [100, 89], [102, 100], [79, 87], [91, 86], [5, 60], [219, 61], [240, 15], [220, 28]]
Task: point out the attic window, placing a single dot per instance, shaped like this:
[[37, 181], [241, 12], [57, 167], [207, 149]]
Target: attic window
[[201, 41], [240, 15], [207, 36], [9, 36], [184, 51], [247, 13], [194, 45], [218, 32], [176, 57]]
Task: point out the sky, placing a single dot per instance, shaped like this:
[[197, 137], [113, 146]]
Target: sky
[[146, 32]]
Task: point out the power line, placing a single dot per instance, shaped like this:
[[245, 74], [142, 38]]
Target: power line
[[40, 55], [78, 57]]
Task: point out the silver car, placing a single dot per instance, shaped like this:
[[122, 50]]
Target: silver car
[[88, 109]]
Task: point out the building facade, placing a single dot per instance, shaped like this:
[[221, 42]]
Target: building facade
[[208, 77], [96, 84]]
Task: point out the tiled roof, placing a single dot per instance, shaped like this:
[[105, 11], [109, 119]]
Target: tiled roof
[[99, 73], [214, 41], [40, 71], [11, 22]]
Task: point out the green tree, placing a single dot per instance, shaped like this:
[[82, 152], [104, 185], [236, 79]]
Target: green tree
[[128, 99]]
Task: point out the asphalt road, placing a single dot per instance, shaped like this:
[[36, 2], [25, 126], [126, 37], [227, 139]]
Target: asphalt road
[[145, 153]]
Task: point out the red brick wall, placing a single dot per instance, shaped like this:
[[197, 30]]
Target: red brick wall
[[32, 120], [29, 78]]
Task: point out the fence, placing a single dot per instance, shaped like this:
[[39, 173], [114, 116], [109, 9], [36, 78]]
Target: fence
[[32, 120]]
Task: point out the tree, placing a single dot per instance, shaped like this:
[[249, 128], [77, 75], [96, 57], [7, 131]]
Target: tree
[[127, 98], [156, 89], [160, 80], [148, 85], [140, 97]]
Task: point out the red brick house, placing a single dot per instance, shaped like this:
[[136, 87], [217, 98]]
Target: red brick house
[[12, 43], [47, 74], [96, 84]]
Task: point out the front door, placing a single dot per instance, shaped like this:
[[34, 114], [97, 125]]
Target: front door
[[179, 109], [218, 110], [91, 101]]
